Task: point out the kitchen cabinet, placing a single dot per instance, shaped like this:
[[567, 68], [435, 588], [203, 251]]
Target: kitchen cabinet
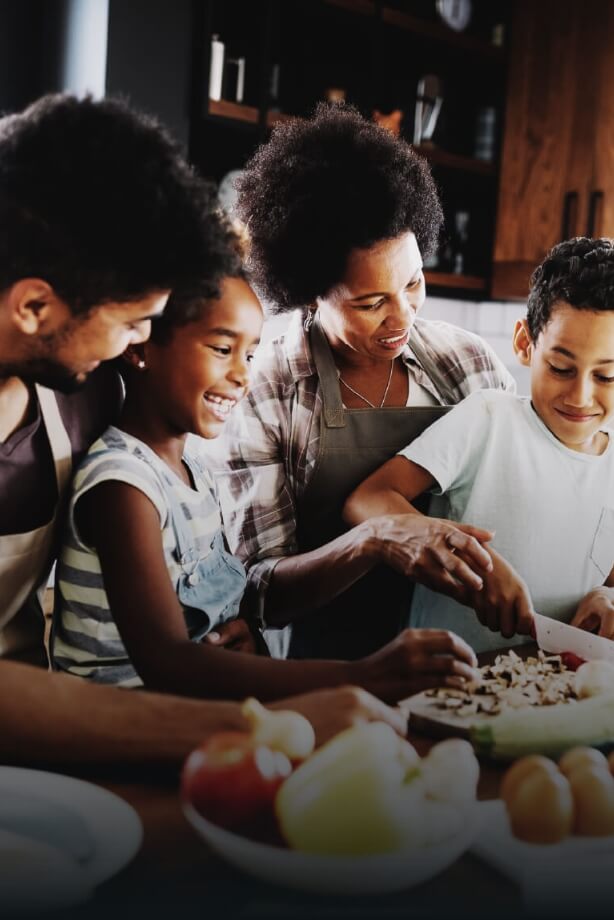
[[375, 53], [557, 162]]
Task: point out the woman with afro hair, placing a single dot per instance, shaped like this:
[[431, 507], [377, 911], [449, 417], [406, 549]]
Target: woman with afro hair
[[340, 214]]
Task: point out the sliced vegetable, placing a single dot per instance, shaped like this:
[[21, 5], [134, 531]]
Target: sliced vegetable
[[549, 730]]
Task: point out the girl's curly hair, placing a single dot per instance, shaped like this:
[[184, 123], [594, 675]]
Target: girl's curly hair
[[325, 186]]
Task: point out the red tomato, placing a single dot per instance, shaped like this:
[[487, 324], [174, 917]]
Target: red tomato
[[571, 661], [233, 782]]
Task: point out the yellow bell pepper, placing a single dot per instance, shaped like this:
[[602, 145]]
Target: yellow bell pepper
[[360, 793]]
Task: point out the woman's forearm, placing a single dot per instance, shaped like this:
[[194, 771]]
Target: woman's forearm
[[310, 580]]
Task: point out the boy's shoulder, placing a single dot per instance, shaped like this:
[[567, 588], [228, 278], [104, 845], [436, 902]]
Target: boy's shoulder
[[492, 401]]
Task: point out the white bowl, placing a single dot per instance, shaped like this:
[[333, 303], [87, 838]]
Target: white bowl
[[329, 874]]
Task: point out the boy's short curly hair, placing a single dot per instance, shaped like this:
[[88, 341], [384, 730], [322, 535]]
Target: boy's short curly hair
[[98, 200], [579, 272], [325, 186]]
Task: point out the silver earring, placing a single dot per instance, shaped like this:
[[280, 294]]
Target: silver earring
[[141, 365]]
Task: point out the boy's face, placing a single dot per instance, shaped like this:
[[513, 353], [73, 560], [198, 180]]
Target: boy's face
[[197, 378], [572, 374]]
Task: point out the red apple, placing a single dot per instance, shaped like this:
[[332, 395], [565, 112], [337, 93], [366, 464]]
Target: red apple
[[233, 782]]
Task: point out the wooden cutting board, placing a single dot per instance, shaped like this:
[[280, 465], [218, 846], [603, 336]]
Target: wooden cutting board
[[424, 716]]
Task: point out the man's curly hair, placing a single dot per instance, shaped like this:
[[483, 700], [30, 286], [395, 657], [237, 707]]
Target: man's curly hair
[[98, 200], [325, 186], [579, 272]]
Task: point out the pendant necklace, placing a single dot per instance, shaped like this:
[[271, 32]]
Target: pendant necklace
[[364, 398]]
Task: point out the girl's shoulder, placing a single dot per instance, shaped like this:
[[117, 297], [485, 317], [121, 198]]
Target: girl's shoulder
[[118, 455]]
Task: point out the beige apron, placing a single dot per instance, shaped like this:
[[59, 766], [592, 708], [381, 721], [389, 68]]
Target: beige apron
[[25, 558], [353, 443]]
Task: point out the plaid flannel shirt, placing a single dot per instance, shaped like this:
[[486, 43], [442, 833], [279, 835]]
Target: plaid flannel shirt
[[264, 459]]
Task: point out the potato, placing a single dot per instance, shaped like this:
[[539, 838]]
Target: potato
[[593, 794], [521, 769], [542, 808], [582, 756]]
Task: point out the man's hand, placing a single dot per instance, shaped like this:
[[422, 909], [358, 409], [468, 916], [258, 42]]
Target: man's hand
[[504, 604], [445, 556], [235, 635], [595, 612], [415, 660], [332, 711]]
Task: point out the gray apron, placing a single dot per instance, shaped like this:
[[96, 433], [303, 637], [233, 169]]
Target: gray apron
[[353, 443]]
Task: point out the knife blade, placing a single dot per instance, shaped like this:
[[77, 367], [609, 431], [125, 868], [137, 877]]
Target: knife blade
[[556, 637]]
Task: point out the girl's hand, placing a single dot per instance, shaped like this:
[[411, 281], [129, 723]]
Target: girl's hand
[[444, 556], [415, 660], [595, 612], [235, 635], [504, 604]]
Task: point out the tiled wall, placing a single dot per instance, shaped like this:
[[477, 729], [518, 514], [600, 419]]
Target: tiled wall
[[493, 321]]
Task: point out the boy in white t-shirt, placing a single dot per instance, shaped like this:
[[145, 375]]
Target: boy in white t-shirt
[[539, 472]]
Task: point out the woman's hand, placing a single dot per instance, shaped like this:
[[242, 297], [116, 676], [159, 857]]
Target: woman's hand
[[442, 555], [235, 635], [504, 604], [595, 612], [415, 660]]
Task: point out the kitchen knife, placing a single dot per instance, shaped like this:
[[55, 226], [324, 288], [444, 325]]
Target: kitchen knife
[[556, 637]]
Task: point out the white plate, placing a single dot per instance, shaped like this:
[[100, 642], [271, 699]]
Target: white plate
[[577, 870], [115, 828], [379, 873], [59, 880]]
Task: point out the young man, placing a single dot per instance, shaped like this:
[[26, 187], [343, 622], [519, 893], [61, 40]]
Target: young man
[[538, 472], [100, 218]]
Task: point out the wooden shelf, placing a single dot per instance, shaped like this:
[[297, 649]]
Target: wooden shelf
[[234, 111], [460, 282], [424, 27], [440, 33], [453, 161]]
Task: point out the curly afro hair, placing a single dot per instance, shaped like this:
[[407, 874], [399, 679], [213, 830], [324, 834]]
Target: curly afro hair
[[325, 186], [579, 272], [98, 200]]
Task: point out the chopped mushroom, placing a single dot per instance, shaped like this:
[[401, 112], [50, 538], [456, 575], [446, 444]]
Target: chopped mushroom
[[510, 683]]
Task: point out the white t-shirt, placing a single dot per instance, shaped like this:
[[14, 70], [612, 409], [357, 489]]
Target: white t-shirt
[[552, 508]]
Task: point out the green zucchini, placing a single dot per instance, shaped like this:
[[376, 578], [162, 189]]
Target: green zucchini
[[548, 730]]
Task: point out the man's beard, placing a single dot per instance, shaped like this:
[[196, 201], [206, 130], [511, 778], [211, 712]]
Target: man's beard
[[47, 373]]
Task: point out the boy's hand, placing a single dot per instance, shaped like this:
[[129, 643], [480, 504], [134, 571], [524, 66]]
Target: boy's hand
[[595, 612], [235, 635], [504, 604]]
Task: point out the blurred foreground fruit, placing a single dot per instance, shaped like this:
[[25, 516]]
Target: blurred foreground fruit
[[362, 792], [232, 781]]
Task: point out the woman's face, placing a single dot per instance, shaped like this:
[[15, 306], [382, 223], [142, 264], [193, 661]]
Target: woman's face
[[369, 315]]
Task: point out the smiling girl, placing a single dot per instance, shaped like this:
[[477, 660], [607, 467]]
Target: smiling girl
[[147, 592]]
